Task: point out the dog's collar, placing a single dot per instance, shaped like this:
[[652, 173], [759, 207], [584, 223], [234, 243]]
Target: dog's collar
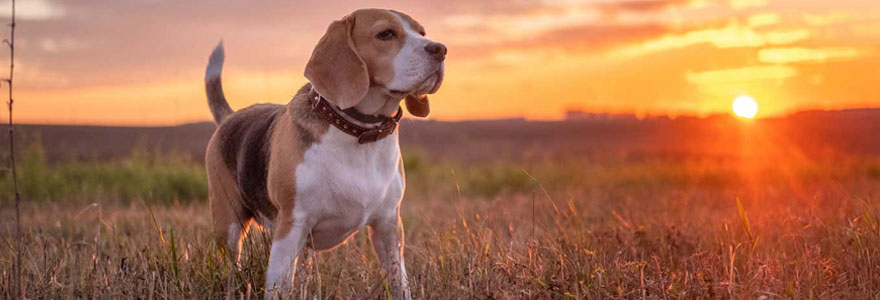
[[384, 126]]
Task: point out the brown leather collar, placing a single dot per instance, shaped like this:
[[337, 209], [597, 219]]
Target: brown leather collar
[[385, 126]]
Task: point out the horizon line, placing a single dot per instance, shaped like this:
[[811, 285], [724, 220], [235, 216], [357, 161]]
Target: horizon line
[[610, 117]]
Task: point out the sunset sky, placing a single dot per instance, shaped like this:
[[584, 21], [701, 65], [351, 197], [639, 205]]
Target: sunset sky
[[141, 62]]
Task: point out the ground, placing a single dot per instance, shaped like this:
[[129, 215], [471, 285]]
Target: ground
[[759, 220]]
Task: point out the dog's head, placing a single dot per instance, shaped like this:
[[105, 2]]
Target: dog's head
[[377, 48]]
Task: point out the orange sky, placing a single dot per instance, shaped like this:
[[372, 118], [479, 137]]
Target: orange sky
[[141, 62]]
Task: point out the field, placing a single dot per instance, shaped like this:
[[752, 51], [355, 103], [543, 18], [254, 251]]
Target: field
[[591, 209]]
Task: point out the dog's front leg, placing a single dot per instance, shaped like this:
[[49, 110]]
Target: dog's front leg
[[387, 237], [286, 247]]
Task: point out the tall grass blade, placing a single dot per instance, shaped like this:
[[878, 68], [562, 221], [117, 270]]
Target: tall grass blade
[[744, 219]]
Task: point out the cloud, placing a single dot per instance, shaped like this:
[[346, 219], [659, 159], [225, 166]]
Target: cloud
[[733, 35], [489, 27], [745, 74], [99, 42], [520, 25], [785, 37], [806, 55], [746, 4], [593, 37], [132, 53], [31, 10], [640, 5], [764, 19], [827, 18]]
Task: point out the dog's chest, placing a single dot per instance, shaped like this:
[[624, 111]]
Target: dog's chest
[[342, 185]]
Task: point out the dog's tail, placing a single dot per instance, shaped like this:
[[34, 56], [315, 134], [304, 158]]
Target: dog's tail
[[216, 100]]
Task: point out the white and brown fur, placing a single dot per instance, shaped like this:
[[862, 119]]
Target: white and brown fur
[[307, 182]]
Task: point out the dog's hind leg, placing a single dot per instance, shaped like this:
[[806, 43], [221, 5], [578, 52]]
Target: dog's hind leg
[[232, 240], [231, 218]]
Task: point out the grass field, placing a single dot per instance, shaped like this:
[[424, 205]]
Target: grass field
[[756, 226]]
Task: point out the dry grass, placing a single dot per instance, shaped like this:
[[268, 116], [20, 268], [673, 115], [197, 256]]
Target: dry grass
[[652, 230]]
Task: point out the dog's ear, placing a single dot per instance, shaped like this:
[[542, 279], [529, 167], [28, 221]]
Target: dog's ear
[[418, 106], [335, 70]]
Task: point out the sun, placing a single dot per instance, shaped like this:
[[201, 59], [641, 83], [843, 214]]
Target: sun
[[745, 107]]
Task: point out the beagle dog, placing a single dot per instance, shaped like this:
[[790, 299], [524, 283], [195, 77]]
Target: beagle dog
[[316, 170]]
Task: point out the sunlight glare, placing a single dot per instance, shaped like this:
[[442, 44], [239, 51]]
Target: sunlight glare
[[745, 106]]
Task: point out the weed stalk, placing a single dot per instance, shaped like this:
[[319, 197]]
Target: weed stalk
[[18, 264]]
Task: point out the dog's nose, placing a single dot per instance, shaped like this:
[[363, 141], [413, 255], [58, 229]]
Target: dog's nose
[[437, 50]]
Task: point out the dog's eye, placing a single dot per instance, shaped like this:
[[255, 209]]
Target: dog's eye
[[386, 35]]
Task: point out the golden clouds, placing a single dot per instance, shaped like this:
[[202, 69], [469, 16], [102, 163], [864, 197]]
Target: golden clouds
[[746, 4], [764, 19], [797, 55], [94, 59], [827, 18], [785, 37], [733, 35], [741, 75]]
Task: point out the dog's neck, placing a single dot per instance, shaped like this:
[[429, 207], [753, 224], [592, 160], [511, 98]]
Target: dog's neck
[[302, 108], [378, 102]]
